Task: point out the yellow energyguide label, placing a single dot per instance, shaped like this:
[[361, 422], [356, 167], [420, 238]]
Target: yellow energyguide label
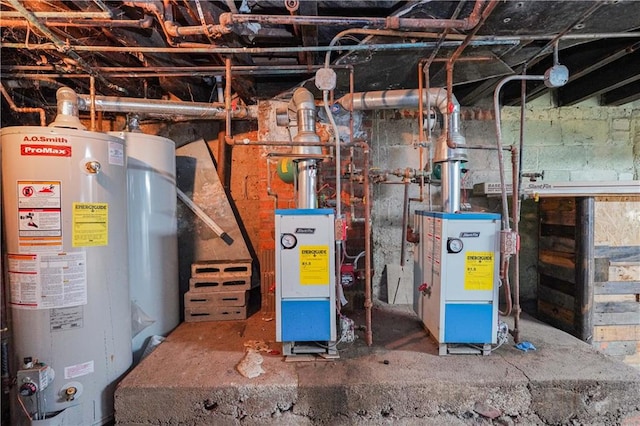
[[478, 270], [90, 224], [314, 265]]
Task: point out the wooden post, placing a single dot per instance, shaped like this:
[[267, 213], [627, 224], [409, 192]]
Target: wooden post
[[585, 217]]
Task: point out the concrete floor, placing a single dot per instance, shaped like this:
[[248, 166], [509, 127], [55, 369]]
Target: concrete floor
[[191, 379]]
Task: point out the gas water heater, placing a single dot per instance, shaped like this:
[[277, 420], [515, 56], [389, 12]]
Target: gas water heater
[[153, 236], [305, 281], [457, 279], [65, 220]]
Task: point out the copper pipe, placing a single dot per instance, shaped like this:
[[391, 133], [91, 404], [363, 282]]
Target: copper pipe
[[270, 192], [485, 14], [174, 30], [92, 102], [205, 48], [391, 33], [405, 220], [449, 68], [132, 72], [445, 34], [391, 22], [56, 14], [421, 122], [227, 96], [351, 91], [59, 44], [352, 86], [146, 22], [449, 65], [234, 141], [161, 10], [367, 246], [496, 106], [222, 159], [14, 107], [148, 74], [240, 142]]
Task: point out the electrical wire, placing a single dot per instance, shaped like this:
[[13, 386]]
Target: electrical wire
[[335, 345], [493, 348]]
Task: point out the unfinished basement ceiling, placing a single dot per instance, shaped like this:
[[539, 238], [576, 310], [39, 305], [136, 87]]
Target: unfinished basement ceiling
[[176, 48]]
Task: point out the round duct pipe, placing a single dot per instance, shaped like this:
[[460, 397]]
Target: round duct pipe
[[305, 107]]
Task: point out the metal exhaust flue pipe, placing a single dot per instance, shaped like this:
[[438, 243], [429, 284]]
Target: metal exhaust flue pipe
[[304, 104], [450, 158], [158, 107]]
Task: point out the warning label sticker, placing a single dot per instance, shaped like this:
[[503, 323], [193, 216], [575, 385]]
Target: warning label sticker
[[24, 280], [78, 370], [478, 270], [314, 265], [39, 216], [90, 224], [47, 280]]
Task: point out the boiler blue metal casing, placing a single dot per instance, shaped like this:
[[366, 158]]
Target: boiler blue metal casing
[[456, 278], [305, 280]]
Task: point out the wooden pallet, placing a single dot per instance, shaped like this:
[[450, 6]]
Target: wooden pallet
[[217, 313], [221, 269], [207, 285], [215, 299]]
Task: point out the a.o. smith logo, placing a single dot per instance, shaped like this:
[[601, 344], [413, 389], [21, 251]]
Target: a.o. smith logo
[[46, 150], [42, 138]]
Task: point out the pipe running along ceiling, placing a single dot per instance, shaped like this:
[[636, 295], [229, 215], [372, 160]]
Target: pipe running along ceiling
[[176, 49]]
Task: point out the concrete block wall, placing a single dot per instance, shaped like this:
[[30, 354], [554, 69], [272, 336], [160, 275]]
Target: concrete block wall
[[586, 142], [393, 136]]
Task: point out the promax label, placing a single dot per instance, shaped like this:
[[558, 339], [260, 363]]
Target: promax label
[[46, 150]]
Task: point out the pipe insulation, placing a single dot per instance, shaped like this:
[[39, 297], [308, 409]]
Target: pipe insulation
[[159, 107]]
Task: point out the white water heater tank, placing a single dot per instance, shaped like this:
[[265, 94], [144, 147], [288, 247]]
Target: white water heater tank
[[153, 236], [65, 218]]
